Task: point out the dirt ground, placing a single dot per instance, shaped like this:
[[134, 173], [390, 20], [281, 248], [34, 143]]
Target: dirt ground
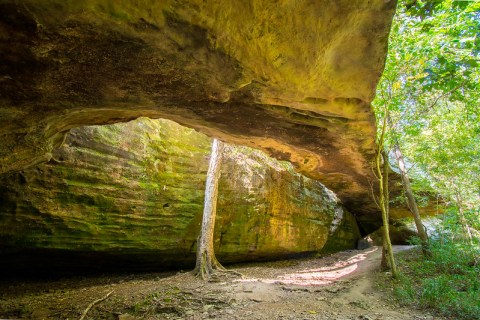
[[340, 286]]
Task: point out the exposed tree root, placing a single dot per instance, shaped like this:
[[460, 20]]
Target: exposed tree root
[[208, 267]]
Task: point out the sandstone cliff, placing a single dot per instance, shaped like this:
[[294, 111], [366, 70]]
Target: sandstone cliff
[[131, 194], [294, 78]]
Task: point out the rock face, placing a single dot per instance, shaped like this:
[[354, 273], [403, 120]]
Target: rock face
[[132, 193], [293, 78]]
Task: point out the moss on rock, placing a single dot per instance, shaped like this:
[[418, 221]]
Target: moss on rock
[[138, 187]]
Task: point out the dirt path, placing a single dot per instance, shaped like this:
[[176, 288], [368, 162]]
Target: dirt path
[[339, 286]]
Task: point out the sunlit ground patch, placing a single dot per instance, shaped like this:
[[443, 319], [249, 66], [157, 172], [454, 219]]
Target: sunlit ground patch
[[318, 276]]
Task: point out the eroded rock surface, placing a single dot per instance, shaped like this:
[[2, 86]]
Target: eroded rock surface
[[134, 192], [293, 78]]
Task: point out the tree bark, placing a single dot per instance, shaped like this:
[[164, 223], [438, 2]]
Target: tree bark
[[412, 203], [383, 202], [206, 260], [384, 265]]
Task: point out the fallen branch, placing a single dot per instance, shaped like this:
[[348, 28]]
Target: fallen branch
[[94, 303]]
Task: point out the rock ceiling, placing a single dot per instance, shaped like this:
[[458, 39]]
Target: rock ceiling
[[293, 78]]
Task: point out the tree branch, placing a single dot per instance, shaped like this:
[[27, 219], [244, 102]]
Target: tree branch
[[94, 303]]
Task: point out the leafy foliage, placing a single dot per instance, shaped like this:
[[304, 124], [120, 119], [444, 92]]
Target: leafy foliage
[[431, 88], [447, 281]]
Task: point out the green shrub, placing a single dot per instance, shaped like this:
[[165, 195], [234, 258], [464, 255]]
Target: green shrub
[[448, 282]]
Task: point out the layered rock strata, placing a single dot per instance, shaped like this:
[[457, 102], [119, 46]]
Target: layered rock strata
[[131, 195]]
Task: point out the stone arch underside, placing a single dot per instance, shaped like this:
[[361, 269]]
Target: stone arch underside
[[292, 78]]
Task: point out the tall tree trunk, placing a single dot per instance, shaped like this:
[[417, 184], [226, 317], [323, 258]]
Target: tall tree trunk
[[384, 265], [383, 202], [206, 260], [412, 203], [382, 176]]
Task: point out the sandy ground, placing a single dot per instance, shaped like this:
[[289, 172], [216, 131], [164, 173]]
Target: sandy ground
[[340, 286]]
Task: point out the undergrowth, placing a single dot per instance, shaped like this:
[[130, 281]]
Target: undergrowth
[[447, 282]]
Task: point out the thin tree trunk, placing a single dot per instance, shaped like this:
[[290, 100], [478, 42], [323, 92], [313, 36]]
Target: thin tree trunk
[[206, 260], [384, 265], [383, 201], [412, 203]]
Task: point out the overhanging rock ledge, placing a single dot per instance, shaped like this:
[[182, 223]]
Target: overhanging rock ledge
[[293, 78]]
